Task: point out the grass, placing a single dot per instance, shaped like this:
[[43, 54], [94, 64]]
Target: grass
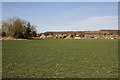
[[60, 58]]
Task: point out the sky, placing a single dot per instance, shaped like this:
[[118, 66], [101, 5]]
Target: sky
[[64, 16], [60, 0]]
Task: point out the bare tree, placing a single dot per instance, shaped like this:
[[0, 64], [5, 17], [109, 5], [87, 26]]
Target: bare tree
[[17, 28]]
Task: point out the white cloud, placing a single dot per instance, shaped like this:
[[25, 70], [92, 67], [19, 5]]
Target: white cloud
[[92, 23]]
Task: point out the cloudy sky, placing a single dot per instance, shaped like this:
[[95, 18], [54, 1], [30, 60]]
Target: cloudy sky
[[64, 16]]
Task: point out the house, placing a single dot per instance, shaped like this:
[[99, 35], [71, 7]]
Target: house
[[115, 36], [61, 36], [102, 37], [69, 37], [49, 36], [107, 36], [96, 37], [54, 36], [77, 37], [118, 36], [87, 36], [42, 36], [64, 35]]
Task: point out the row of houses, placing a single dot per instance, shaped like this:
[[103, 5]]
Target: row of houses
[[80, 35], [86, 36]]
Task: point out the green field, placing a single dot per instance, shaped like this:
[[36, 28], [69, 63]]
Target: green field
[[60, 58]]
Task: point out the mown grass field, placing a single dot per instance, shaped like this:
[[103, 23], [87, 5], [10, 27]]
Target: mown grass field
[[60, 58]]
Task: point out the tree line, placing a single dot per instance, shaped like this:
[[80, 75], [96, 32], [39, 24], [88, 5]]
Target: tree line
[[17, 28]]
